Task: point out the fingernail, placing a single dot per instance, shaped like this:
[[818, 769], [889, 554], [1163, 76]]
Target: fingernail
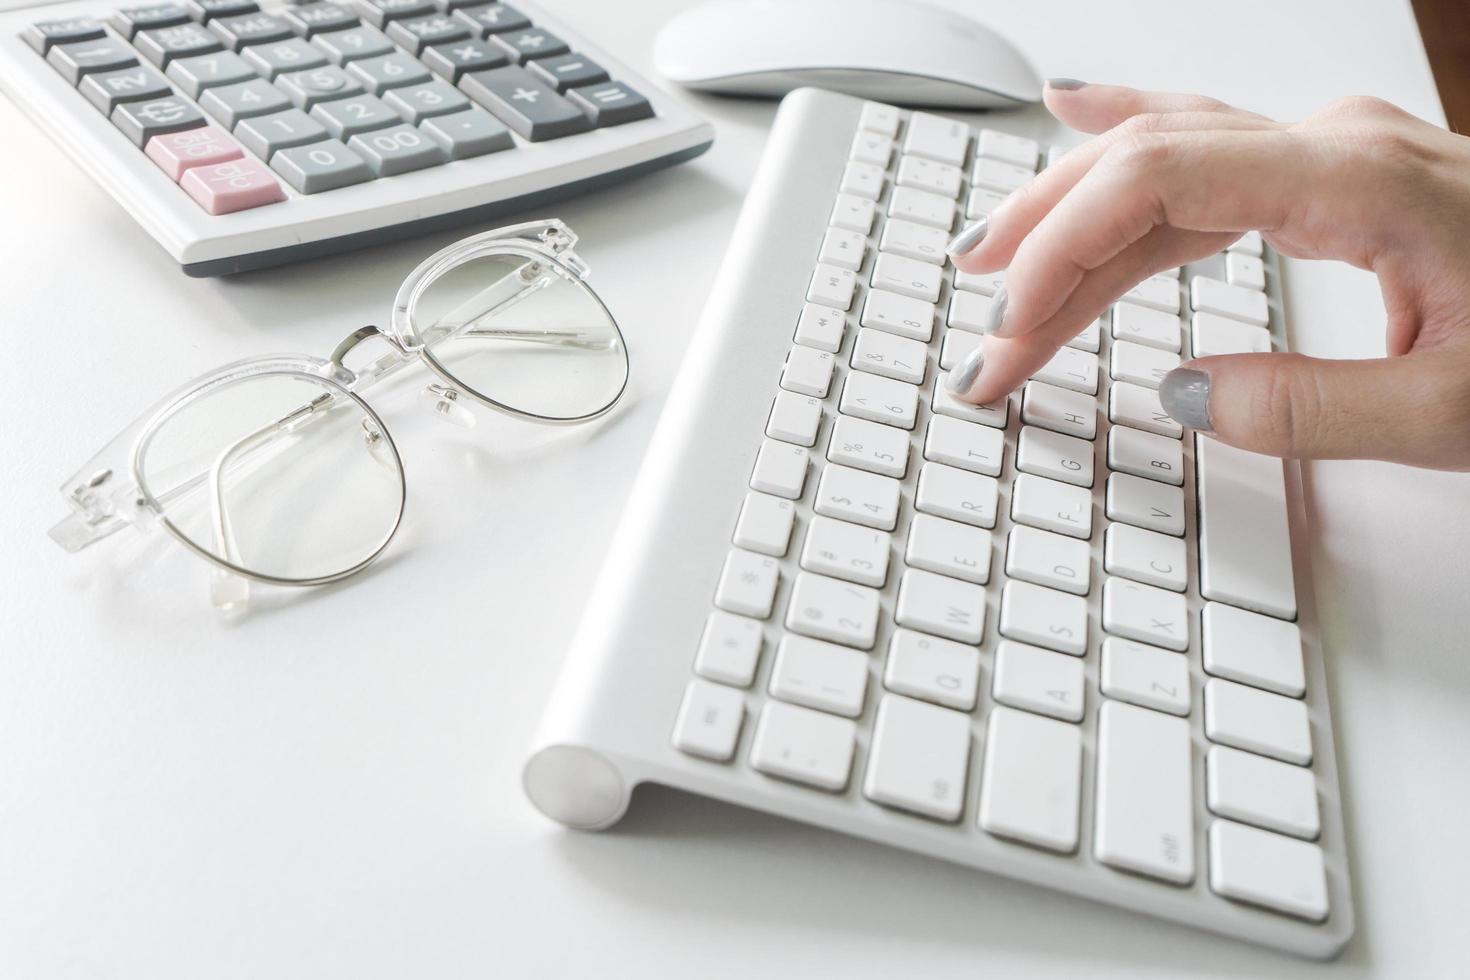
[[968, 238], [1185, 394], [997, 312], [1065, 84], [962, 378]]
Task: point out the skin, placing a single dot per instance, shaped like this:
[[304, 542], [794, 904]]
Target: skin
[[1174, 178]]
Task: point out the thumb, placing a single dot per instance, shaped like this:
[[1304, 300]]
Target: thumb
[[1297, 406]]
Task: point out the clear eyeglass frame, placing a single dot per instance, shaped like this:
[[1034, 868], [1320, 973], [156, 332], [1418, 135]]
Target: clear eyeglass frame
[[276, 469]]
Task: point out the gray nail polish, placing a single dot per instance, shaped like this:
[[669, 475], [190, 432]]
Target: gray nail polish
[[962, 378], [997, 312], [968, 238], [1185, 394], [1065, 84]]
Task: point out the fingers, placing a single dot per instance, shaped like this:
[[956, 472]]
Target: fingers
[[1095, 108]]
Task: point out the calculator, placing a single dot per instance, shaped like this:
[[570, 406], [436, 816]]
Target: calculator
[[243, 135]]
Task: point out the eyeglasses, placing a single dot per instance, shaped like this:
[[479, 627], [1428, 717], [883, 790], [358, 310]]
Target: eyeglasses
[[275, 469]]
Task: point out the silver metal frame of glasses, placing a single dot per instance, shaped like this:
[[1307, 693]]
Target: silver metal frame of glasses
[[111, 492]]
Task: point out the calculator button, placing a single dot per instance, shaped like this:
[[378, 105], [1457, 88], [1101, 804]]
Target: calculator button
[[202, 146], [293, 54], [416, 32], [453, 60], [522, 46], [470, 133], [416, 103], [388, 71], [161, 45], [307, 88], [315, 18], [83, 57], [141, 121], [527, 106], [358, 114], [203, 11], [493, 18], [130, 20], [568, 71], [353, 43], [238, 185], [320, 167], [246, 29], [231, 103], [397, 149], [264, 135], [42, 34], [196, 74], [105, 89], [380, 12], [611, 104]]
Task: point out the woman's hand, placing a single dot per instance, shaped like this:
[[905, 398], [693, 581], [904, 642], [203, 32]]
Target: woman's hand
[[1175, 178]]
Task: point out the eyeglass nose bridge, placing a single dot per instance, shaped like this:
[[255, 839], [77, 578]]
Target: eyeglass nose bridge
[[351, 342]]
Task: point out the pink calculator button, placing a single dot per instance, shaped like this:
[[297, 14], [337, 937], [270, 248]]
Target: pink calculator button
[[177, 152], [235, 185]]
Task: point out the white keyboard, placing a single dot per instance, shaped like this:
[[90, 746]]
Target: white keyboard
[[1052, 637]]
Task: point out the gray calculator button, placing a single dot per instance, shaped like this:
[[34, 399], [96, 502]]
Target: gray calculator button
[[359, 114], [42, 34], [231, 103], [264, 135], [493, 18], [468, 134], [611, 103], [194, 75], [397, 150], [568, 71], [453, 60], [141, 121], [278, 56], [415, 33], [82, 57], [523, 46], [244, 29], [314, 18], [161, 45], [105, 89], [380, 74], [416, 103], [380, 12], [528, 106], [307, 88], [130, 20], [204, 11], [352, 44], [320, 166]]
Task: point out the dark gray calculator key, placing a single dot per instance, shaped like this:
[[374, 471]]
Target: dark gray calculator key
[[244, 29], [415, 103], [523, 46], [82, 57], [353, 43], [196, 74], [358, 114], [321, 166], [130, 20], [292, 54], [141, 121], [415, 33], [453, 60], [380, 12], [203, 11], [314, 18], [611, 103], [568, 71], [44, 33], [387, 71], [307, 88], [231, 103], [531, 108], [264, 135], [493, 18], [161, 45], [105, 89], [471, 133], [397, 150]]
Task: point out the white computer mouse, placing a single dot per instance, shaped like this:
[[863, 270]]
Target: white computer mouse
[[895, 51]]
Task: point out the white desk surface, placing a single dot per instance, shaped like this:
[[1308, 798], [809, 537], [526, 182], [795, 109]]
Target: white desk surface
[[330, 786]]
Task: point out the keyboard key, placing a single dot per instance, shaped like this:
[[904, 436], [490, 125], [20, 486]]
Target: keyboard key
[[1046, 558], [1032, 785], [958, 345], [1051, 454], [1016, 150], [129, 21], [780, 469], [947, 491], [977, 448], [820, 675], [907, 277], [729, 649], [1262, 792], [1145, 613], [843, 248], [1213, 296], [294, 54], [470, 133], [914, 241], [901, 315], [1146, 454], [999, 176], [919, 758], [862, 180], [765, 524], [1146, 326], [932, 669], [307, 88], [832, 286], [1071, 413], [493, 18], [846, 551], [196, 74], [1247, 244], [969, 311], [1211, 334], [415, 33], [794, 418], [1253, 649], [876, 399], [1146, 556], [1145, 675], [141, 121], [827, 609], [879, 118], [984, 283], [820, 327], [949, 548], [1052, 506], [107, 89], [610, 103], [451, 61], [808, 371], [310, 19], [528, 107], [534, 42], [378, 75], [1246, 271], [889, 356], [566, 71], [1073, 369], [1090, 338], [82, 57], [994, 414], [874, 148], [239, 185], [1044, 617], [202, 146], [320, 166], [863, 498], [231, 103], [804, 746], [1244, 542], [938, 138], [929, 175], [921, 207], [1139, 408], [164, 44], [242, 30], [853, 213], [345, 118], [1145, 503], [747, 584], [941, 606], [982, 201], [1263, 868], [203, 11], [380, 12], [1140, 365], [1159, 293], [68, 30], [1038, 680], [709, 721], [1257, 721], [353, 44], [397, 150], [869, 446], [1144, 819], [264, 135]]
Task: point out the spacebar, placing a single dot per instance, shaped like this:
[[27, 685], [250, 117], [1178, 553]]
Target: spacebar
[[1244, 545]]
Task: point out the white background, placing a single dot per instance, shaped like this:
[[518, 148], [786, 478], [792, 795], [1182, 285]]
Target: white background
[[329, 787]]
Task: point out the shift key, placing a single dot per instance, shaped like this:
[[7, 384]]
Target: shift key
[[529, 107]]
